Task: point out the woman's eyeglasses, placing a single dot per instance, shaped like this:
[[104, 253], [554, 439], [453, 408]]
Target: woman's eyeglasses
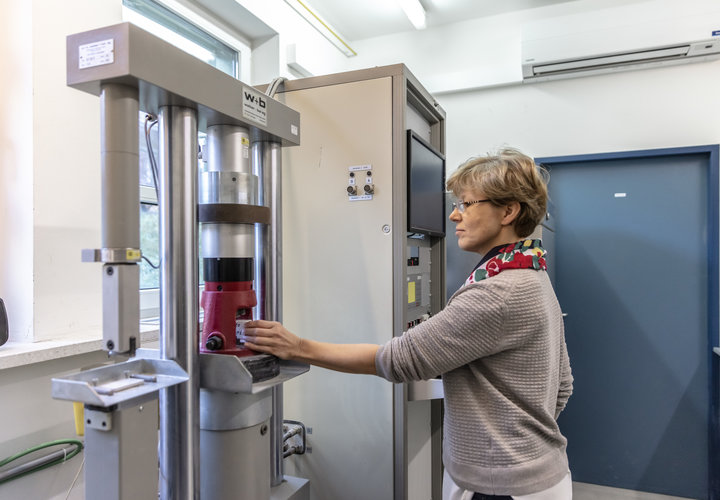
[[461, 205]]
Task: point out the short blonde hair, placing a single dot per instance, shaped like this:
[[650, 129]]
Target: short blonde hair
[[505, 177]]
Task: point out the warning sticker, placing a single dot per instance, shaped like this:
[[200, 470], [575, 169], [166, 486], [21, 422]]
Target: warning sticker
[[411, 292], [96, 54], [254, 106]]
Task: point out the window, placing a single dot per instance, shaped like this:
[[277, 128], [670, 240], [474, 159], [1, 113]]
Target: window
[[164, 23], [206, 45]]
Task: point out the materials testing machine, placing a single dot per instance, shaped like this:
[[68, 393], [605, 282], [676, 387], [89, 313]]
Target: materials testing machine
[[217, 405]]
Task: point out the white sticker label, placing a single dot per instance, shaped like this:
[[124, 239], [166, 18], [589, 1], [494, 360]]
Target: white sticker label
[[293, 129], [351, 181], [96, 54], [368, 180], [620, 195], [364, 197], [254, 106], [358, 168]]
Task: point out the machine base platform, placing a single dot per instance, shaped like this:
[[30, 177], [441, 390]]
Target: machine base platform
[[292, 488]]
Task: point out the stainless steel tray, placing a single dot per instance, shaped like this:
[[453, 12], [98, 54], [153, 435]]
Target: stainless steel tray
[[122, 384]]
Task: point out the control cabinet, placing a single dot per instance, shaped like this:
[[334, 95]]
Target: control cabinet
[[352, 273]]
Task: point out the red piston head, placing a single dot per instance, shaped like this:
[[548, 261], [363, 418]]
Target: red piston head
[[227, 305]]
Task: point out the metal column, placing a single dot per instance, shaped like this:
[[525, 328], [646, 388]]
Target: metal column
[[120, 213], [120, 176], [121, 452], [267, 165], [179, 405]]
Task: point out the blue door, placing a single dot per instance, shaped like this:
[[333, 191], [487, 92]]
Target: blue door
[[635, 270]]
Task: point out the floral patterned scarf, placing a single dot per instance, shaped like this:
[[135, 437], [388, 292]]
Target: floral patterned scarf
[[525, 254]]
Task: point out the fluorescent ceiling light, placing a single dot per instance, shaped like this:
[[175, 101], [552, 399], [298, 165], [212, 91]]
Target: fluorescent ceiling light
[[322, 26], [414, 11]]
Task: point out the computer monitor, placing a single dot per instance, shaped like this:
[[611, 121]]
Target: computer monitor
[[426, 187]]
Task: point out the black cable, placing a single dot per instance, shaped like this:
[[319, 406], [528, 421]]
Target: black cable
[[153, 166], [149, 262], [41, 463]]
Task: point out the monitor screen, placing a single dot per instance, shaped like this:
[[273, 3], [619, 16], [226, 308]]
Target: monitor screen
[[426, 187]]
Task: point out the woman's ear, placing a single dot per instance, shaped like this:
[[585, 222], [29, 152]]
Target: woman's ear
[[512, 210]]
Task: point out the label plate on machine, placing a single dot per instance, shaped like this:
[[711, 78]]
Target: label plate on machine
[[96, 54], [254, 106]]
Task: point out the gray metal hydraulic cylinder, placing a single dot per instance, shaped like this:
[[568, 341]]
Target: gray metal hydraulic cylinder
[[229, 179], [235, 445]]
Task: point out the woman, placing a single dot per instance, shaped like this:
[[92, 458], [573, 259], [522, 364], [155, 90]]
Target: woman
[[498, 344]]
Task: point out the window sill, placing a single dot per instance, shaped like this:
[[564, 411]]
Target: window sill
[[14, 354]]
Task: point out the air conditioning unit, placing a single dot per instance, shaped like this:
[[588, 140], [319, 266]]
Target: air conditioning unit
[[616, 40]]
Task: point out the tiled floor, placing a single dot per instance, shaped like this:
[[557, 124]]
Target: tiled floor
[[584, 491]]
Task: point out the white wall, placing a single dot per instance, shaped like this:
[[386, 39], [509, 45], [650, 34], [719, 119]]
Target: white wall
[[656, 108], [16, 159], [474, 70], [66, 135], [312, 51], [484, 52], [50, 171]]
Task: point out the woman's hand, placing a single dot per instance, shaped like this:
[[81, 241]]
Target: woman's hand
[[272, 338]]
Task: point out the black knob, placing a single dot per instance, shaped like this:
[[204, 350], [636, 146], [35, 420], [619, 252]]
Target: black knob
[[213, 343]]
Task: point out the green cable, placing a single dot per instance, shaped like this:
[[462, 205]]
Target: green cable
[[78, 449]]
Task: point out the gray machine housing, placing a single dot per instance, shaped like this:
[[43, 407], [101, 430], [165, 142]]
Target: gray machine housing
[[347, 280]]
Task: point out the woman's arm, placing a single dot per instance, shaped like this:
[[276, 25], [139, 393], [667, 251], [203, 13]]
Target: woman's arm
[[566, 381], [273, 338]]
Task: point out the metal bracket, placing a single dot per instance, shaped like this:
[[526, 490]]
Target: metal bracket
[[100, 420], [112, 255]]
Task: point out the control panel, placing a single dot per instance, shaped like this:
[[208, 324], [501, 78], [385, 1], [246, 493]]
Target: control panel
[[419, 265], [360, 185]]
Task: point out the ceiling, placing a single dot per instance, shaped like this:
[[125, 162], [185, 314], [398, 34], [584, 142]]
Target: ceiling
[[357, 20]]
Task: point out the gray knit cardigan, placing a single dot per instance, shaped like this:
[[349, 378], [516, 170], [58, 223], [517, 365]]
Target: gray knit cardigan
[[499, 345]]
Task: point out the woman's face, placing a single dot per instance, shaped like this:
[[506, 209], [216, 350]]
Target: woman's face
[[482, 226]]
